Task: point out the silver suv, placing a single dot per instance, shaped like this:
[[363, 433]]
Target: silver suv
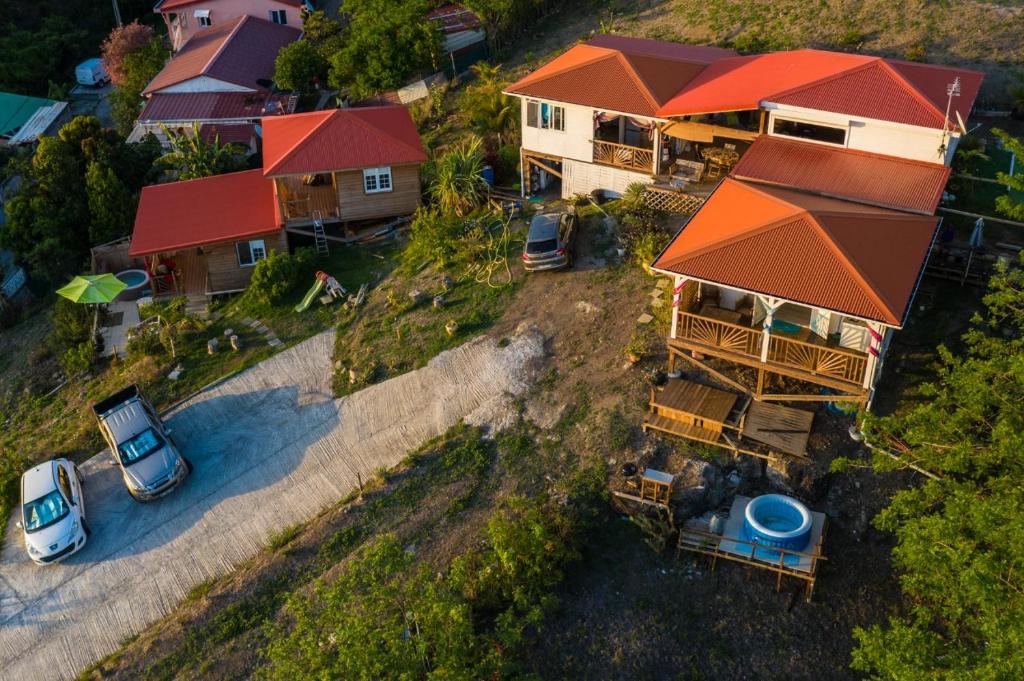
[[141, 445], [551, 241]]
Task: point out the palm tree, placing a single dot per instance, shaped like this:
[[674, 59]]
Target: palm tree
[[459, 185], [490, 110], [191, 156]]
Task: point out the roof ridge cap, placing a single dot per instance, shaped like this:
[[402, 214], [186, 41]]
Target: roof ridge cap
[[871, 60], [300, 143], [912, 90], [645, 89], [368, 125], [867, 285], [224, 43]]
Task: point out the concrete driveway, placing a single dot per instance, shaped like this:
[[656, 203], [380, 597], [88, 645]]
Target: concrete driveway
[[270, 447]]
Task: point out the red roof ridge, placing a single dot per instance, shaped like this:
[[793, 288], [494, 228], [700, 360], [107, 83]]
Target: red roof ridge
[[370, 126], [872, 62], [867, 285], [224, 43], [325, 116], [645, 87], [606, 52]]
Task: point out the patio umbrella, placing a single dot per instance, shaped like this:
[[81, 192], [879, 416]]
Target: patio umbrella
[[93, 288], [976, 235]]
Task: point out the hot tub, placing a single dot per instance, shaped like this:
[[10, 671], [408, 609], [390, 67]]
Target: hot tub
[[136, 281], [777, 521]]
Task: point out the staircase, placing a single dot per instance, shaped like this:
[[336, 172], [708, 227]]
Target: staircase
[[197, 304], [319, 235]]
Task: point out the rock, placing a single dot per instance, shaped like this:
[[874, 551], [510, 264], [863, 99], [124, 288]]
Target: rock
[[748, 467], [778, 480], [228, 333], [447, 282], [807, 480], [451, 327], [644, 319], [415, 296], [211, 346], [351, 376], [587, 308], [337, 365], [235, 342], [438, 302]]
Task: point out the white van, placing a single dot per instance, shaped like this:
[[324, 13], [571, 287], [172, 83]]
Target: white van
[[53, 511], [91, 73]]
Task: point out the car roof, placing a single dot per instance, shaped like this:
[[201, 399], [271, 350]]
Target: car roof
[[38, 481], [544, 226], [130, 419]]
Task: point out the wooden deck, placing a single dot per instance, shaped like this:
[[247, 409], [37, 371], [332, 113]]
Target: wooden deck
[[693, 403], [781, 428]]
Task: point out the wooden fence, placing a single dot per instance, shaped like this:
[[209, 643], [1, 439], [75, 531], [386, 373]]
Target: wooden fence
[[672, 201]]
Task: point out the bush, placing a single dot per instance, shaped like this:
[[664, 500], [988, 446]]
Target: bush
[[72, 324], [438, 238], [277, 275], [506, 169], [78, 358]]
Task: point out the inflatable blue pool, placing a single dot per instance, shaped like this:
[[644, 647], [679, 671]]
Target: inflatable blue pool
[[777, 521]]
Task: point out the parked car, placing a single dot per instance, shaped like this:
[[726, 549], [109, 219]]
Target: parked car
[[141, 445], [551, 241], [91, 73], [52, 511]]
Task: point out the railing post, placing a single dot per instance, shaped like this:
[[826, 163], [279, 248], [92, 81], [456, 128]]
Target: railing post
[[771, 304], [877, 333], [677, 295]]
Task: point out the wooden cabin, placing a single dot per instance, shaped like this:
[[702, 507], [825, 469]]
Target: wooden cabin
[[343, 165]]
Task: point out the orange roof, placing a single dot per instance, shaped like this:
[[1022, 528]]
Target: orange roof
[[241, 52], [170, 5], [340, 139], [629, 75], [874, 179], [180, 215], [852, 84], [854, 259]]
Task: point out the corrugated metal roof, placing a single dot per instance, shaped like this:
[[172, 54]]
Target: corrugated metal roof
[[619, 74], [226, 207], [169, 5], [340, 139], [854, 259], [15, 110], [878, 180], [454, 18], [210, 106], [852, 84], [241, 52], [227, 133]]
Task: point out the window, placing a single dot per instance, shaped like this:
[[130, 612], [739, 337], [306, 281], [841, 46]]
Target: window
[[250, 252], [63, 482], [377, 180], [44, 511], [140, 446], [203, 17], [809, 131], [279, 16], [544, 116]]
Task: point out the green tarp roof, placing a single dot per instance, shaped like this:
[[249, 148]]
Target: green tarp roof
[[16, 109]]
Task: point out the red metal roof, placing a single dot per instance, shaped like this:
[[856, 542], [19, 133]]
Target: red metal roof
[[240, 52], [629, 75], [852, 84], [854, 259], [227, 207], [227, 133], [170, 5], [455, 18], [340, 139], [210, 106], [874, 179]]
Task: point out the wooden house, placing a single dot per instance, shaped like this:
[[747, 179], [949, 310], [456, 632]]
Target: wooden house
[[343, 165]]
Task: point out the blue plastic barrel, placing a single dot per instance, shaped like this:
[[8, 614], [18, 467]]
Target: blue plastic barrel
[[488, 174]]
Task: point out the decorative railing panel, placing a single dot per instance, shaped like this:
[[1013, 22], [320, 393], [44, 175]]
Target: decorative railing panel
[[742, 340], [624, 156], [846, 365]]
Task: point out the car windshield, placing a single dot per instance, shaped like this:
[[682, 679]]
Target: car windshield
[[140, 446], [545, 246], [45, 511]]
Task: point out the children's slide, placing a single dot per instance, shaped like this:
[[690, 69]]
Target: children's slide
[[310, 295]]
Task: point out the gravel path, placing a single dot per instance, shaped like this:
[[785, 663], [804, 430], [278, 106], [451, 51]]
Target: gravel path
[[271, 448]]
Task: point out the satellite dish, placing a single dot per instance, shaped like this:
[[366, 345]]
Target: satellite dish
[[960, 120]]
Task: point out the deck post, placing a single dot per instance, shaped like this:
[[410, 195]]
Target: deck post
[[677, 293], [771, 305], [877, 334]]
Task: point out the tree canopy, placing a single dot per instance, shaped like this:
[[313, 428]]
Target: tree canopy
[[1007, 204], [121, 42], [960, 536], [139, 67], [191, 156]]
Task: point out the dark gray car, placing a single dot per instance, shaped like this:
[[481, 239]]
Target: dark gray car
[[551, 241], [150, 464]]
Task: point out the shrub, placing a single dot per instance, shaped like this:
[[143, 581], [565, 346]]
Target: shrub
[[78, 358], [437, 237], [458, 185], [72, 324], [277, 275], [646, 246], [506, 169]]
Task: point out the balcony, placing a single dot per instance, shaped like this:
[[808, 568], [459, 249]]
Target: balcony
[[816, 362], [300, 201], [624, 156]]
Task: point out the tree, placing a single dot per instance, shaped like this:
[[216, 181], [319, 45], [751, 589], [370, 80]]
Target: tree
[[385, 44], [111, 206], [123, 41], [458, 184], [30, 59], [1008, 205], [299, 66], [192, 157], [960, 536], [139, 68], [490, 110]]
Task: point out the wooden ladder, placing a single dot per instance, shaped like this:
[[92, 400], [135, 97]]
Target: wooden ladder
[[319, 235]]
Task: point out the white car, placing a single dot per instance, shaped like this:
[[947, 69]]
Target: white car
[[53, 511]]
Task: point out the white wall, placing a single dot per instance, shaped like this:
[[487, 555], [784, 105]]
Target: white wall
[[576, 141], [582, 178], [880, 137], [206, 84]]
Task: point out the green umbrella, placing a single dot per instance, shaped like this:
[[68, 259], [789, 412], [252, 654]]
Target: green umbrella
[[93, 288]]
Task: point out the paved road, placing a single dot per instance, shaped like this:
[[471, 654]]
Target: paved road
[[271, 447]]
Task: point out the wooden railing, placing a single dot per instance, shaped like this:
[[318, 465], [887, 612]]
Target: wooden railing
[[624, 156], [742, 340], [841, 363], [832, 362]]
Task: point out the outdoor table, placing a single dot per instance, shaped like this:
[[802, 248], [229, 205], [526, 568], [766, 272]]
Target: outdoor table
[[720, 155]]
